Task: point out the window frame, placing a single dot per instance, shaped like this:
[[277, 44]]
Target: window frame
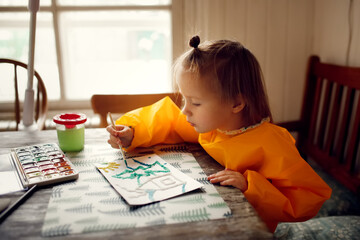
[[175, 7]]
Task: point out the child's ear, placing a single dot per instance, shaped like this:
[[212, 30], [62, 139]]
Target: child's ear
[[239, 104]]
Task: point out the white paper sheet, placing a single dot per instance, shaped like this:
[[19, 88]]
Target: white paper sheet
[[146, 179], [9, 179]]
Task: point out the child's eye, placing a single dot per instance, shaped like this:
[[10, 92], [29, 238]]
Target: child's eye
[[196, 104]]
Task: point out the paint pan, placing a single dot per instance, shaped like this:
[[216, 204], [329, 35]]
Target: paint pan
[[40, 165]]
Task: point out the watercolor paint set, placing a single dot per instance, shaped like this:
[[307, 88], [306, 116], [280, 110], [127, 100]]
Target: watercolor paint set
[[40, 165]]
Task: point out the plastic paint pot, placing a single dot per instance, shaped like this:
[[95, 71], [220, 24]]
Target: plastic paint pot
[[70, 128]]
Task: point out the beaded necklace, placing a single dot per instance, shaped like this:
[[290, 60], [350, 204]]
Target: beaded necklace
[[244, 129]]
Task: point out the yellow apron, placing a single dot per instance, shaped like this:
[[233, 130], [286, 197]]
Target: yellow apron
[[282, 187]]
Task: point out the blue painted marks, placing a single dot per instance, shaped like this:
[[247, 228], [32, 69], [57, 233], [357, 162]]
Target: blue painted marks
[[141, 163], [127, 165], [183, 187], [151, 194]]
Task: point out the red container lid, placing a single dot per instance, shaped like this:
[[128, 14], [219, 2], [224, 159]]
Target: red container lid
[[70, 120]]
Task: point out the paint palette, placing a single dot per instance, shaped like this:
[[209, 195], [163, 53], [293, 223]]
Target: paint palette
[[42, 164]]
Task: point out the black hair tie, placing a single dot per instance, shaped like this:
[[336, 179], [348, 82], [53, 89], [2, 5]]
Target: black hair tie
[[194, 42]]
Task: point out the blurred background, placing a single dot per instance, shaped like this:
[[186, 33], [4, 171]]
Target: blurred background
[[128, 46]]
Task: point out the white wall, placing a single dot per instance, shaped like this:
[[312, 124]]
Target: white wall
[[281, 33], [331, 31]]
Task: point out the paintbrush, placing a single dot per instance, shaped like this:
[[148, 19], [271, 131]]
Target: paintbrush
[[113, 125], [16, 204]]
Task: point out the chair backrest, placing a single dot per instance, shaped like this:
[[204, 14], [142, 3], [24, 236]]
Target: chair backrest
[[40, 95], [102, 104], [329, 130]]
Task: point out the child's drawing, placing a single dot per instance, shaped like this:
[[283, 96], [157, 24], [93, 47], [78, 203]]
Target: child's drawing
[[110, 166], [146, 179]]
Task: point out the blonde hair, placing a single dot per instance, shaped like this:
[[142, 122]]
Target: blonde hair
[[233, 70]]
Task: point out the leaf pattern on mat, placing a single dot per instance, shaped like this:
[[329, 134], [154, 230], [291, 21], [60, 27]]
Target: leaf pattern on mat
[[203, 180], [56, 193], [114, 201], [174, 156], [92, 205], [86, 208], [186, 171], [103, 227], [174, 149], [88, 220], [80, 188], [228, 214], [200, 214], [175, 164], [159, 221], [68, 200], [188, 200], [103, 193], [217, 205], [96, 179], [52, 221], [146, 210], [60, 230]]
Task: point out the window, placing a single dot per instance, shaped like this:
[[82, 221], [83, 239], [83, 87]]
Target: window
[[92, 46]]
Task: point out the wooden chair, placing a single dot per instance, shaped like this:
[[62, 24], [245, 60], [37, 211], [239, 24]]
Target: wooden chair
[[102, 104], [328, 130], [41, 101]]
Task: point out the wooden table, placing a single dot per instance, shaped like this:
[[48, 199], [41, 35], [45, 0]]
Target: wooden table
[[27, 220]]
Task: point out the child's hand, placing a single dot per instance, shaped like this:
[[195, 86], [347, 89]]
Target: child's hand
[[229, 177], [122, 135]]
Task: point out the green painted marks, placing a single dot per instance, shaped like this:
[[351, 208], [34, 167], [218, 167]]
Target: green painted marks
[[142, 171]]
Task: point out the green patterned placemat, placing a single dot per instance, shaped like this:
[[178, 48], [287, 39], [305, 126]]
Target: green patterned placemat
[[90, 204]]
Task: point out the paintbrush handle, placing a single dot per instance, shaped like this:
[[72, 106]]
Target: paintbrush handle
[[113, 125], [17, 203]]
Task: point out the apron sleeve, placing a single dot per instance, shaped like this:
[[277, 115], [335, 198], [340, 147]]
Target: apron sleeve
[[159, 123], [296, 195]]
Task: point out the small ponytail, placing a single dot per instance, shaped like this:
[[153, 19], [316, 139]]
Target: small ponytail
[[194, 59], [194, 42]]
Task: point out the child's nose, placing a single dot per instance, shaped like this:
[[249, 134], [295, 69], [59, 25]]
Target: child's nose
[[185, 110]]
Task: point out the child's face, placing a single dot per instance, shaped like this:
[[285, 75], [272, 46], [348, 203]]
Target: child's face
[[203, 107]]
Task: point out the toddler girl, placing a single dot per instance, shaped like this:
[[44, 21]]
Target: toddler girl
[[226, 110]]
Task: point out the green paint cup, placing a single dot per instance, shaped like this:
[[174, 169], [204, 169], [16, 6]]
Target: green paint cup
[[70, 128]]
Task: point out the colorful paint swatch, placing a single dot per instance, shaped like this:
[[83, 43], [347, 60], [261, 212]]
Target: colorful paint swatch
[[42, 164]]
